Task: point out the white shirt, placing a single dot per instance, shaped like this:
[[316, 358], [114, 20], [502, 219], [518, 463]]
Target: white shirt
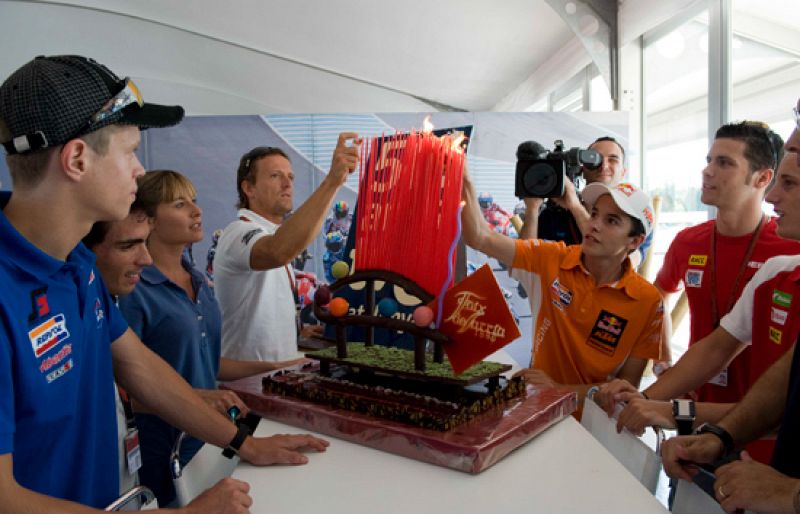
[[258, 308], [739, 321]]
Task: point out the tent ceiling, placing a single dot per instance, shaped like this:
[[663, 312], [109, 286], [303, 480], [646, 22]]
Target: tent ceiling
[[283, 55]]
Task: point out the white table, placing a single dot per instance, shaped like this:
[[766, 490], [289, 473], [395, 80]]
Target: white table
[[563, 470]]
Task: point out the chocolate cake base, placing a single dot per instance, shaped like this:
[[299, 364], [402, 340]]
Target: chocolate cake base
[[471, 447], [423, 404]]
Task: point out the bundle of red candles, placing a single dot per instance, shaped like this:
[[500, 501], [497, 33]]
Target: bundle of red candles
[[408, 199]]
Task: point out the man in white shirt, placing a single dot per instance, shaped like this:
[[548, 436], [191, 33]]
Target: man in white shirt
[[253, 277]]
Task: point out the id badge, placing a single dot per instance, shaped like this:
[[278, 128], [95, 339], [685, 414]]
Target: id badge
[[721, 379], [132, 451]]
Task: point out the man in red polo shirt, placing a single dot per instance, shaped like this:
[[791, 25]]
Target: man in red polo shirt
[[716, 259]]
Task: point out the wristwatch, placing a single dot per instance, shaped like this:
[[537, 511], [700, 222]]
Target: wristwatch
[[236, 443], [683, 412], [724, 436]]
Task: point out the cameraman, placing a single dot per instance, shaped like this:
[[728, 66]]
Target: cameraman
[[565, 219]]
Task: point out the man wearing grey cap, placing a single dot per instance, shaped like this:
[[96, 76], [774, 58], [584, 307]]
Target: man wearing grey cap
[[70, 128]]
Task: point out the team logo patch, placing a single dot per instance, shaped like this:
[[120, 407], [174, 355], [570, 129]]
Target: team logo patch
[[694, 278], [60, 372], [607, 332], [779, 316], [54, 359], [48, 334], [249, 235], [99, 313], [698, 260], [781, 298], [775, 335], [39, 306], [91, 277], [626, 189], [563, 296]]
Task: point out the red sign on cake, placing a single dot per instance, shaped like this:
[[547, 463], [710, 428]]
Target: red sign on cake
[[476, 319]]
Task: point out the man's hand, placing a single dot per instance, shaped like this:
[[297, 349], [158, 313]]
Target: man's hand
[[280, 449], [221, 400], [345, 157], [747, 484], [639, 414], [536, 377], [311, 331], [569, 200], [680, 454], [228, 496], [615, 391], [532, 205], [291, 362]]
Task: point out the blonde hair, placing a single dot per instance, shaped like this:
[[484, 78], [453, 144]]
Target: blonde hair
[[162, 186]]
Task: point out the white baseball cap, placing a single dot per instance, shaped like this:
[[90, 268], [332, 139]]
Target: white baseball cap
[[631, 200]]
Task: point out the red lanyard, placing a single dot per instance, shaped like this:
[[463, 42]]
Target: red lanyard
[[715, 314], [292, 283]]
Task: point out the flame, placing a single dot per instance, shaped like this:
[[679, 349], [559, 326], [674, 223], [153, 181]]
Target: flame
[[427, 126], [458, 139]]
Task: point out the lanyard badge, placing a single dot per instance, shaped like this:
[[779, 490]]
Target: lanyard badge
[[133, 452]]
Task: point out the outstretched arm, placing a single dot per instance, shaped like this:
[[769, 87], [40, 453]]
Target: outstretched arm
[[162, 391], [476, 232], [701, 362], [697, 366], [639, 414], [759, 412], [233, 369], [303, 226]]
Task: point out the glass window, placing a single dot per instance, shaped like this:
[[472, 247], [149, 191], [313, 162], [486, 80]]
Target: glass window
[[676, 124], [766, 62], [675, 72], [600, 97], [569, 97]]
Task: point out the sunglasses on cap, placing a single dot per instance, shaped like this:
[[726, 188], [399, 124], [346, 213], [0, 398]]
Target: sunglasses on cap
[[129, 95]]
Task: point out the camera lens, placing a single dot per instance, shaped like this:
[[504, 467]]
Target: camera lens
[[540, 179], [590, 158]]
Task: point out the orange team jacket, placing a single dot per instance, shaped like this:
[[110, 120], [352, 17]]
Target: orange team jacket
[[585, 333]]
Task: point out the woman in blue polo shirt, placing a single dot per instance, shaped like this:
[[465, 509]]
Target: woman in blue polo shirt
[[174, 312]]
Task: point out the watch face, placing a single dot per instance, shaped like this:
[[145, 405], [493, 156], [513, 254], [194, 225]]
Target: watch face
[[683, 408]]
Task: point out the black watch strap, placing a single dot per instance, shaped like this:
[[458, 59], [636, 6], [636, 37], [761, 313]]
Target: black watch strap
[[236, 443], [684, 415], [724, 436]]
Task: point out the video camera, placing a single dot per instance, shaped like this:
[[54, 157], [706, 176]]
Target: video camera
[[542, 174]]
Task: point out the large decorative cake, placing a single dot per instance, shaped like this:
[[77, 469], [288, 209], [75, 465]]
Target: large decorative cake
[[415, 387], [438, 402]]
